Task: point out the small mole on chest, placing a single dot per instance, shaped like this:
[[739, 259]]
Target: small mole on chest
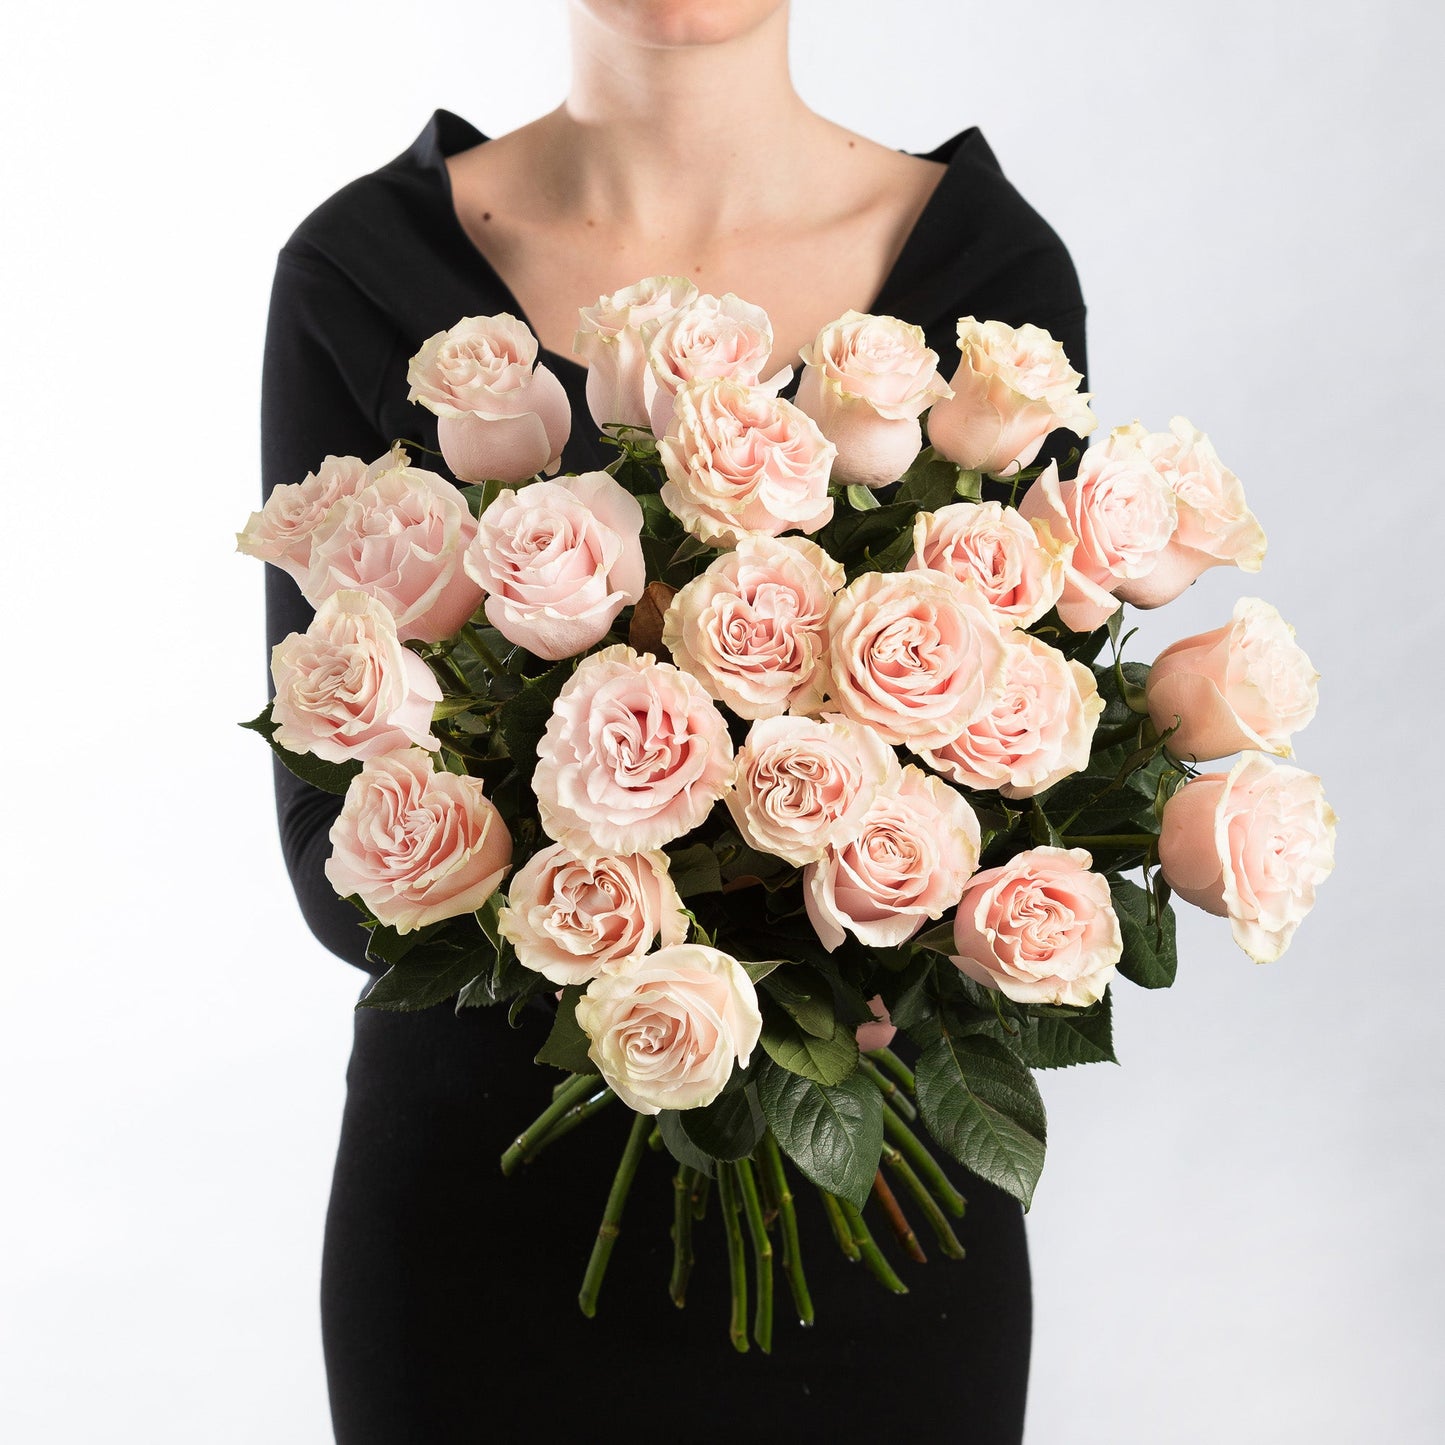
[[486, 215]]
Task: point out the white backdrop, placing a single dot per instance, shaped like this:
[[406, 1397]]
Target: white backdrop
[[1236, 1234]]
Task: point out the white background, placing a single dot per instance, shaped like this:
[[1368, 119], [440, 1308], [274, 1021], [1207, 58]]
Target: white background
[[1236, 1237]]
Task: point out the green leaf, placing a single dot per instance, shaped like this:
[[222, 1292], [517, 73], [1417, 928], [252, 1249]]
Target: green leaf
[[938, 939], [930, 483], [669, 1125], [861, 499], [480, 495], [825, 1061], [426, 976], [566, 1046], [833, 1133], [524, 719], [850, 532], [982, 1105], [729, 1127], [759, 969], [330, 777], [807, 998], [970, 486], [386, 945], [695, 870], [1150, 958], [913, 1002], [1041, 830], [1060, 1039]]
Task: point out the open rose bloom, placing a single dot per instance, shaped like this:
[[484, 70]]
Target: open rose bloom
[[500, 415], [1252, 845], [1013, 386], [775, 742], [558, 561], [866, 382]]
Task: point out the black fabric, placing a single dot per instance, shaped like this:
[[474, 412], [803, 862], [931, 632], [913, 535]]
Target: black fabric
[[448, 1292]]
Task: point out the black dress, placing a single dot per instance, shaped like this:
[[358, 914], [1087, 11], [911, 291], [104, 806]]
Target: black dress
[[449, 1292]]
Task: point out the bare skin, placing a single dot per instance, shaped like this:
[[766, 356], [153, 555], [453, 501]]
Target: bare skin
[[692, 159]]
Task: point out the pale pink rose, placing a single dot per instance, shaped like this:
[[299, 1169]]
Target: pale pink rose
[[1120, 515], [751, 628], [610, 340], [800, 784], [570, 919], [1039, 729], [880, 1033], [500, 416], [1018, 565], [1013, 386], [635, 755], [913, 655], [906, 862], [282, 530], [347, 689], [558, 561], [1215, 528], [417, 845], [742, 460], [709, 336], [1040, 929], [867, 380], [400, 539], [1247, 684], [1252, 845], [667, 1030]]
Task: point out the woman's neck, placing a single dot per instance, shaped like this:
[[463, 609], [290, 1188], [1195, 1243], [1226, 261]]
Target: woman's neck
[[667, 138]]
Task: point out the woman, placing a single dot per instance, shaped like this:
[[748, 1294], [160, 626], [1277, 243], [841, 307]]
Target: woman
[[448, 1291]]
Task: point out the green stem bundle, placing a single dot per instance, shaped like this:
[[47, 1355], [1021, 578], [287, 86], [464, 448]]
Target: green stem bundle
[[906, 1175], [762, 1255], [868, 1251], [577, 1114], [841, 1232], [772, 1167], [728, 1202], [682, 1257], [572, 1092], [611, 1225], [890, 1091], [919, 1157]]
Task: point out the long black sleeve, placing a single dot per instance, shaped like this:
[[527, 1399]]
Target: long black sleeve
[[320, 358]]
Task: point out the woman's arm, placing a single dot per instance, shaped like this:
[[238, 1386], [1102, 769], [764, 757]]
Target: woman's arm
[[322, 357]]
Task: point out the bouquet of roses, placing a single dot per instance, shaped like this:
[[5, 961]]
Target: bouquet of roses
[[782, 733]]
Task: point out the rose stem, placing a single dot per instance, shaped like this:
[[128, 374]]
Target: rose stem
[[869, 1252], [923, 1162], [473, 639], [943, 1231], [573, 1092], [682, 1183], [895, 1066], [777, 1180], [578, 1114], [889, 1089], [701, 1185], [654, 1140], [611, 1225], [841, 1232], [897, 1220], [457, 675], [727, 1195], [762, 1256], [766, 1192]]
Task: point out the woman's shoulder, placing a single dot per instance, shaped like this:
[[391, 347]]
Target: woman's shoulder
[[389, 231], [983, 249]]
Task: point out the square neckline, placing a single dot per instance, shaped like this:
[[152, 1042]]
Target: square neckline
[[448, 134]]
